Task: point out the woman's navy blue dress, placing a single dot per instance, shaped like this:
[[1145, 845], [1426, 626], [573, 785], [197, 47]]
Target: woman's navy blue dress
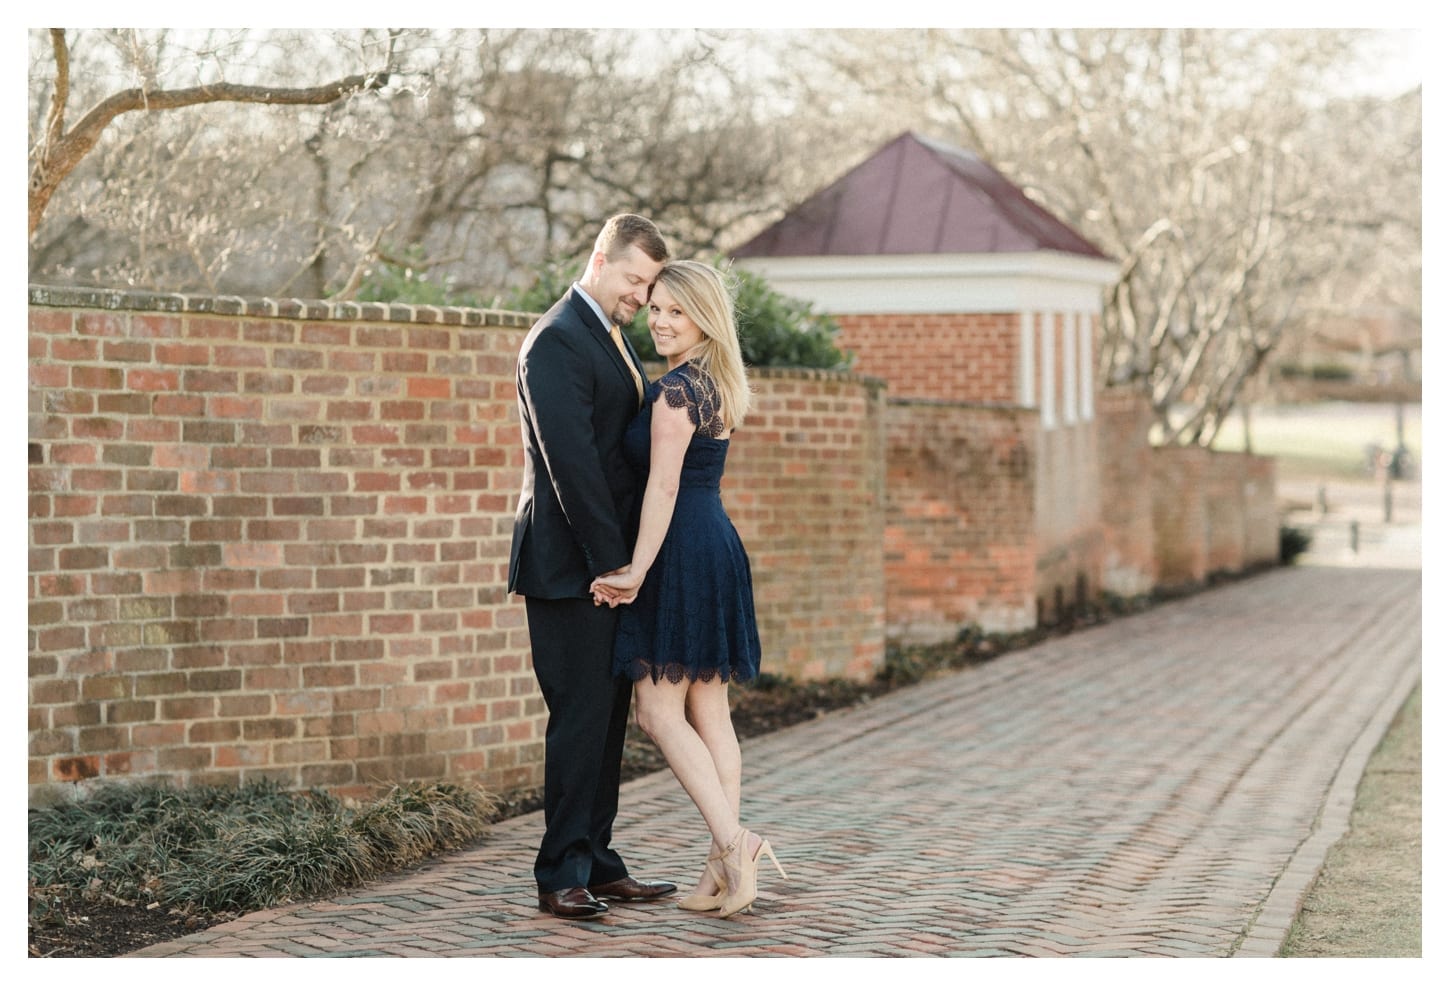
[[694, 616]]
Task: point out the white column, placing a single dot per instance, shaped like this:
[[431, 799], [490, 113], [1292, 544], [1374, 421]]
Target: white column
[[1069, 367], [1026, 366], [1089, 371], [1049, 371]]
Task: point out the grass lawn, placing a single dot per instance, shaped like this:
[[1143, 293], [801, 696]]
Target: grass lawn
[[1322, 439]]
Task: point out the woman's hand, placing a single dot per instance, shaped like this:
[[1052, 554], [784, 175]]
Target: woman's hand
[[616, 588]]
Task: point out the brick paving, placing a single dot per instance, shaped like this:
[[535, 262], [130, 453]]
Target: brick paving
[[1164, 785]]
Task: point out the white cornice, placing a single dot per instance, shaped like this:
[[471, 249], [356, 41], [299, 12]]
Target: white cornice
[[940, 283]]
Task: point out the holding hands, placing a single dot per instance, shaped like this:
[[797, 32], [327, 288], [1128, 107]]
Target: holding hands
[[616, 588]]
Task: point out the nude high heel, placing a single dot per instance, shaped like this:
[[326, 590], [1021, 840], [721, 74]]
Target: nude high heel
[[709, 902], [742, 868]]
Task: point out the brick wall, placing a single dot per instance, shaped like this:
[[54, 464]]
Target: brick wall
[[960, 532], [1261, 511], [805, 486], [1180, 524], [1129, 563], [1223, 512], [971, 357], [1179, 515], [1069, 518], [1243, 527], [270, 539]]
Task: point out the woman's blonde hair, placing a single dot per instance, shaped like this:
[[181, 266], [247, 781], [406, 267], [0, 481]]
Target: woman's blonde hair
[[702, 292]]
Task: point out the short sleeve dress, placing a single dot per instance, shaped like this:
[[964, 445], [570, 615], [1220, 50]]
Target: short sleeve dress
[[694, 616]]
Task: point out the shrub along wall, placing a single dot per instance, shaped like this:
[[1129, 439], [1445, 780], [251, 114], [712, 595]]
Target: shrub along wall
[[270, 539]]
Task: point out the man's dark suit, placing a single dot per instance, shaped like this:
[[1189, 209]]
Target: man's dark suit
[[575, 520]]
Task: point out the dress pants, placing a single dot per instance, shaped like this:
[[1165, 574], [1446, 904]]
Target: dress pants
[[573, 644]]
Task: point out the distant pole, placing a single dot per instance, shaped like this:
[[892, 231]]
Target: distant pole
[[1397, 466], [1389, 493]]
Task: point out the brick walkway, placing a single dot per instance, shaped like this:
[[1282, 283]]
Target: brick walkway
[[1164, 785]]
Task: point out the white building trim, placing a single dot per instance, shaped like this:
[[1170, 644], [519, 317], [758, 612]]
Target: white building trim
[[1089, 370], [940, 283]]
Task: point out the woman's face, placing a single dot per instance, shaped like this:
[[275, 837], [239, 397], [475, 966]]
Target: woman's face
[[674, 333]]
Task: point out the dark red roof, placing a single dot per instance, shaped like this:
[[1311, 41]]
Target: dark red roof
[[916, 195]]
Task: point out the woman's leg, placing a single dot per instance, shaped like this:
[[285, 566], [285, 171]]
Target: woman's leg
[[708, 711], [660, 708]]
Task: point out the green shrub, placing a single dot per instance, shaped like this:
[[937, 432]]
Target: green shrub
[[239, 849], [774, 330], [779, 331], [1293, 542], [409, 282], [1316, 371]]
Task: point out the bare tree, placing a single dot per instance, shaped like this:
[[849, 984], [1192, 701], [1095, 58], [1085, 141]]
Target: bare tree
[[60, 148], [1209, 163], [495, 150], [1200, 160], [533, 135]]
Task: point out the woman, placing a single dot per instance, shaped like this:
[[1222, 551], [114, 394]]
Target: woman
[[690, 627]]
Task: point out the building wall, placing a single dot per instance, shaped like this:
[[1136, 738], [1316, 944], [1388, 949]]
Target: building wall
[[969, 358], [270, 539], [1039, 360], [1069, 499]]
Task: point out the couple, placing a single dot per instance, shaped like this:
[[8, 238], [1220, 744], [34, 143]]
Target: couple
[[632, 575]]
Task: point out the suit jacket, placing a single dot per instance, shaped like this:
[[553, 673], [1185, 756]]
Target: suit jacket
[[577, 512]]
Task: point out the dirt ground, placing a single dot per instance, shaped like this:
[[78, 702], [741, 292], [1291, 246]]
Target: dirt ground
[[1367, 899]]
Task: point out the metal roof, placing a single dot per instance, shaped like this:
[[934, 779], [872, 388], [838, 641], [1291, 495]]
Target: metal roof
[[917, 196]]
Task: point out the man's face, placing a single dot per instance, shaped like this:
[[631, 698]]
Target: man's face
[[622, 286]]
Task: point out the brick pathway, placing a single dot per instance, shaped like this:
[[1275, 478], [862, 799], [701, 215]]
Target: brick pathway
[[1164, 785]]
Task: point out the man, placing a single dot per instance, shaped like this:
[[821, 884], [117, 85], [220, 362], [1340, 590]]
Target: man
[[580, 384]]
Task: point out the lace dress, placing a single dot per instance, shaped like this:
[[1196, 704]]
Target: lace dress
[[695, 614]]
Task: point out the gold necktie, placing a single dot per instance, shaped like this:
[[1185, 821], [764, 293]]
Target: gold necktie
[[618, 340]]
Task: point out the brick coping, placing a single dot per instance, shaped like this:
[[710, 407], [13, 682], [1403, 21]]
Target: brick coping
[[112, 299]]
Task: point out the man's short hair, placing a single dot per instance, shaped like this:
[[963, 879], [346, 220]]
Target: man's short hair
[[626, 230]]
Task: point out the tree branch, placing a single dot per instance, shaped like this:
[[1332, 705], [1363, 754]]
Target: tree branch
[[60, 151]]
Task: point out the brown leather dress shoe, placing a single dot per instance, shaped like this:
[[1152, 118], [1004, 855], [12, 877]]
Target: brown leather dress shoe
[[628, 888], [574, 903]]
